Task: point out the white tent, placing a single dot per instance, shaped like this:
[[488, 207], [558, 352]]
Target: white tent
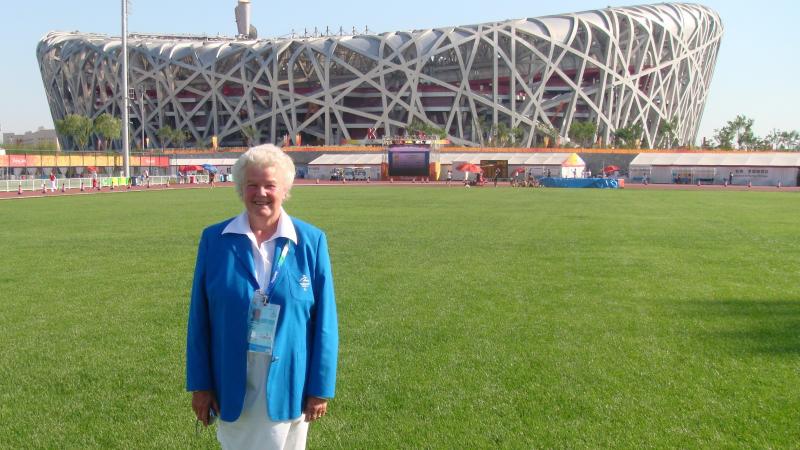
[[322, 166], [758, 168], [564, 165], [225, 165]]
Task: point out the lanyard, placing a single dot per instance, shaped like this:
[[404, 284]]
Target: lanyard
[[276, 267]]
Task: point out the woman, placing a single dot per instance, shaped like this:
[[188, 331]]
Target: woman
[[265, 387]]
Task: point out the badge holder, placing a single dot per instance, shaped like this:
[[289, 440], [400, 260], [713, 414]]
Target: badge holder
[[263, 323]]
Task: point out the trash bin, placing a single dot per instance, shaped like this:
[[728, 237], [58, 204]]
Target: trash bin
[[134, 181]]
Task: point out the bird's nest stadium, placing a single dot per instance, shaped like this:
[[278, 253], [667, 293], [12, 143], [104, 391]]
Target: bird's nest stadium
[[614, 67]]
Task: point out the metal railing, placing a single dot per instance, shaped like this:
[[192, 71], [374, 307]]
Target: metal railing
[[37, 184]]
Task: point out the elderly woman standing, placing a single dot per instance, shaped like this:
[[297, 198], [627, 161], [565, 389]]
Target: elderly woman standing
[[263, 336]]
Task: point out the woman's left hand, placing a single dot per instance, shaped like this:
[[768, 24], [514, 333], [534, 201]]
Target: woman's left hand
[[315, 408]]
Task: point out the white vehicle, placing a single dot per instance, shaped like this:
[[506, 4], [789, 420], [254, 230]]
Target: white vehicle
[[349, 174]]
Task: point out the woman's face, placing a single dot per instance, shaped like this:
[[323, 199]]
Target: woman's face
[[264, 191]]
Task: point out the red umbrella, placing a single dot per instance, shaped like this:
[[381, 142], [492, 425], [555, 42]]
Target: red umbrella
[[467, 167], [610, 169], [520, 170], [190, 168], [91, 168]]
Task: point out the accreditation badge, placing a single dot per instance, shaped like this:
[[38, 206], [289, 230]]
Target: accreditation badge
[[263, 323]]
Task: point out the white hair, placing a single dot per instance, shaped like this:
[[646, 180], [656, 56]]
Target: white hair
[[263, 156]]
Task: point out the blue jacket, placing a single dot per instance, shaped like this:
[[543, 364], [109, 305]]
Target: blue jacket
[[307, 337]]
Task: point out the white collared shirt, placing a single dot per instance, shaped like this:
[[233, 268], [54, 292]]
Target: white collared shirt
[[262, 255]]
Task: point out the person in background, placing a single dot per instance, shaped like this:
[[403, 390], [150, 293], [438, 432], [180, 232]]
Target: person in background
[[52, 181], [262, 338]]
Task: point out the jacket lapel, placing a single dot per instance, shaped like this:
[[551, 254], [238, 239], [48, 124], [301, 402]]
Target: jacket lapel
[[289, 257], [243, 250]]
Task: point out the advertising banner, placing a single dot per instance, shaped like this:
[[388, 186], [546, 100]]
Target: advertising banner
[[150, 160], [17, 161], [33, 161]]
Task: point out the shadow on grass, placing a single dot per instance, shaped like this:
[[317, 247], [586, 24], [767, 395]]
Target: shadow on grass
[[751, 326]]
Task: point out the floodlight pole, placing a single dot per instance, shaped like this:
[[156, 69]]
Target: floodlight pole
[[141, 114], [126, 148]]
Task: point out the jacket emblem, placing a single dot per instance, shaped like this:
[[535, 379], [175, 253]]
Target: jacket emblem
[[304, 282]]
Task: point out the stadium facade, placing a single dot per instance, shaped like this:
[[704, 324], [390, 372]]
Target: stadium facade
[[615, 67]]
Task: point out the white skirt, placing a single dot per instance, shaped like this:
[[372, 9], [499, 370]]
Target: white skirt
[[253, 430]]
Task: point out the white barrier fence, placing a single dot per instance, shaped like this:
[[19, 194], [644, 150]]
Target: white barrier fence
[[103, 182]]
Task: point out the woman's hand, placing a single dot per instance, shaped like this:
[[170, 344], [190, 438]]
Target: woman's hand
[[202, 403], [315, 408]]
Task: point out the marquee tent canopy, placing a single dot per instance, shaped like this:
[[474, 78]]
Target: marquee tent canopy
[[517, 159], [733, 159], [329, 159], [734, 167]]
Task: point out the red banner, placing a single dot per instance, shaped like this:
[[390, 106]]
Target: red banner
[[17, 161]]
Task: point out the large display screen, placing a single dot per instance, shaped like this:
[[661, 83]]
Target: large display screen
[[409, 161]]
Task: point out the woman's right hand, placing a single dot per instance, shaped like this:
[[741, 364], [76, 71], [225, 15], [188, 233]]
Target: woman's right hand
[[202, 403]]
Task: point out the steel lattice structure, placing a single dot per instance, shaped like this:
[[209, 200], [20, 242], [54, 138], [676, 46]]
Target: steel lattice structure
[[614, 67]]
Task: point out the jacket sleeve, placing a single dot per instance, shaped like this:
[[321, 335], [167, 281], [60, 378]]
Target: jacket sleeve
[[198, 338], [325, 337]]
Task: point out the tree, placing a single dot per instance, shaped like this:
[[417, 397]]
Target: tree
[[480, 128], [165, 134], [783, 140], [582, 132], [501, 135], [629, 136], [203, 142], [108, 128], [417, 127], [546, 130], [179, 137], [78, 128], [516, 134], [667, 133], [252, 135], [738, 131]]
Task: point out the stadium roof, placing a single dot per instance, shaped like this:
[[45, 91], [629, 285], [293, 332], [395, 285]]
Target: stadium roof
[[738, 159]]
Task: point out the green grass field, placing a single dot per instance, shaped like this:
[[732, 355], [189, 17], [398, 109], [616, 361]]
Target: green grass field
[[469, 318]]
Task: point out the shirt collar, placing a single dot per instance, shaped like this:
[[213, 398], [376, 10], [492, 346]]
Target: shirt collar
[[241, 225]]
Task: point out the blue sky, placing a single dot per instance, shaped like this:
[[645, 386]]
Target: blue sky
[[755, 73]]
